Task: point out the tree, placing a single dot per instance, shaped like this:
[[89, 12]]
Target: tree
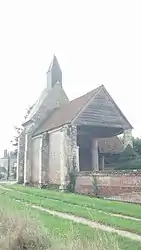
[[137, 145], [14, 141], [128, 154], [18, 131]]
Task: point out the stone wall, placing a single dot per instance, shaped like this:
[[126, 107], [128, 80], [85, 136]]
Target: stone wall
[[20, 158], [54, 157], [62, 154], [35, 163], [109, 184]]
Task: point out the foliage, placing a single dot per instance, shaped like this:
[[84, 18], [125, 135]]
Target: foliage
[[18, 233], [72, 181], [95, 186], [92, 214], [128, 159], [41, 228], [137, 145], [18, 131], [14, 141], [72, 177], [129, 165], [127, 154], [50, 198]]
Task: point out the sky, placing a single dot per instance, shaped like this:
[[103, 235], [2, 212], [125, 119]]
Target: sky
[[96, 42]]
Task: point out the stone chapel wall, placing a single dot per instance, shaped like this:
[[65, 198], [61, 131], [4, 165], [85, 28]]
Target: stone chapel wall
[[35, 164], [54, 157], [20, 158]]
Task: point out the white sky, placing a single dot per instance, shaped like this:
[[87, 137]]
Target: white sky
[[96, 42]]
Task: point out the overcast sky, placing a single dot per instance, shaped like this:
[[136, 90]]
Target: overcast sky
[[96, 42]]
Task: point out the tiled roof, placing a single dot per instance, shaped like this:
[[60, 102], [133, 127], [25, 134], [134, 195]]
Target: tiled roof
[[110, 145], [67, 112]]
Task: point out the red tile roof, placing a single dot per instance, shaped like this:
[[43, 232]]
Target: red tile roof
[[110, 145]]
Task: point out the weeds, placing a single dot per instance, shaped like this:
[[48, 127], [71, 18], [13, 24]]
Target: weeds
[[95, 186]]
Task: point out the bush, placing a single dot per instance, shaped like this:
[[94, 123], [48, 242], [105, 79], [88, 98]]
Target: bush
[[95, 186], [128, 160], [129, 165], [127, 154], [72, 181], [18, 234]]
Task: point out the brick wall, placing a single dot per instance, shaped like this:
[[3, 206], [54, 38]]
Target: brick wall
[[109, 184]]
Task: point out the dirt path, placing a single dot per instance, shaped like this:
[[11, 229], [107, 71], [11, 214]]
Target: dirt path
[[87, 222], [83, 221], [100, 211]]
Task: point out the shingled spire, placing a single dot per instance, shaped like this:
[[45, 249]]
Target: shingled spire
[[54, 74]]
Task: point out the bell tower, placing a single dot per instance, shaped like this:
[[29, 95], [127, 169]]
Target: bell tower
[[54, 74]]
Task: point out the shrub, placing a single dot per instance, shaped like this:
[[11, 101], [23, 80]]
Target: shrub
[[129, 165], [127, 154], [72, 180], [95, 186], [18, 234]]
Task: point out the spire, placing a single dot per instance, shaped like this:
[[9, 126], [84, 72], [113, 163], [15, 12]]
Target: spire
[[54, 73]]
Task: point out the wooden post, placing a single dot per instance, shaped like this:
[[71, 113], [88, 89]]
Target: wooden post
[[102, 162], [77, 158], [95, 166]]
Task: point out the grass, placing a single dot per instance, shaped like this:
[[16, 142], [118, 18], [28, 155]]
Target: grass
[[94, 203], [85, 212], [53, 232]]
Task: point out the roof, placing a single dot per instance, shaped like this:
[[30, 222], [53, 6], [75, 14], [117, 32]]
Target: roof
[[36, 106], [110, 145], [67, 112], [53, 63]]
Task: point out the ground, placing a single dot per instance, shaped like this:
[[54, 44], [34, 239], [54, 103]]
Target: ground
[[71, 218]]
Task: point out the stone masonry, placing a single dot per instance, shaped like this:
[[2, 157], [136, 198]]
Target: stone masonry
[[20, 158], [109, 184]]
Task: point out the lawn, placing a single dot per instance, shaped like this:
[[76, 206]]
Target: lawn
[[64, 231], [75, 199], [82, 211]]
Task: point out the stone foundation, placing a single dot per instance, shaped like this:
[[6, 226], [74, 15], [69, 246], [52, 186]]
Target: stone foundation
[[109, 184]]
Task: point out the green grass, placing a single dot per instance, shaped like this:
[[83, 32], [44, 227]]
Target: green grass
[[65, 231], [85, 212], [94, 203]]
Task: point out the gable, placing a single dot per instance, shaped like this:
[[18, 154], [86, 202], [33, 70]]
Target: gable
[[101, 110], [55, 98], [66, 113]]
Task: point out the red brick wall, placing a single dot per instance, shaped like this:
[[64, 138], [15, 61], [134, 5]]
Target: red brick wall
[[109, 184]]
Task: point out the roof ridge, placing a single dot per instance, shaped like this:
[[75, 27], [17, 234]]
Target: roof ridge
[[94, 92], [91, 91], [112, 100]]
